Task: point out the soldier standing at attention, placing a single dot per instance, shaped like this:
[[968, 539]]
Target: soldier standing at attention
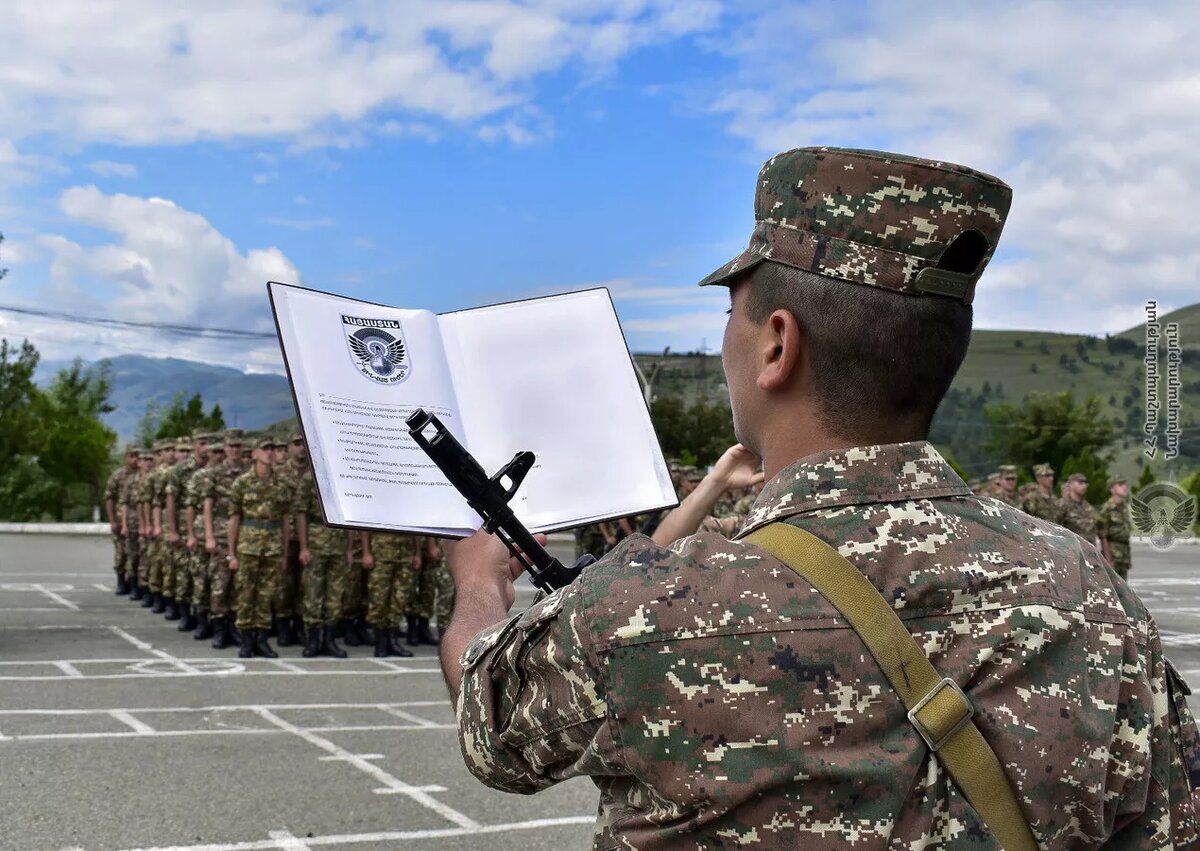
[[256, 541], [1113, 526], [172, 543], [352, 624], [421, 600], [1008, 486], [140, 507], [222, 603], [1039, 500], [202, 577], [112, 507], [852, 672], [443, 582], [390, 561], [1074, 511], [325, 556], [180, 519], [164, 457], [288, 598]]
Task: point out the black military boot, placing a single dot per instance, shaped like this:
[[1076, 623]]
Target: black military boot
[[339, 628], [135, 590], [186, 621], [160, 604], [222, 633], [273, 632], [330, 645], [396, 646], [204, 627], [248, 643], [287, 635], [424, 635], [148, 598], [348, 632], [262, 647], [365, 636], [312, 644], [411, 639], [382, 647], [122, 585], [173, 613]]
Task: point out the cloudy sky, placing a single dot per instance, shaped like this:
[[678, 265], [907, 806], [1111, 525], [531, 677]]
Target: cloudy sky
[[160, 163]]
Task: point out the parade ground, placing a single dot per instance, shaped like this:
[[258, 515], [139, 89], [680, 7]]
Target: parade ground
[[119, 732]]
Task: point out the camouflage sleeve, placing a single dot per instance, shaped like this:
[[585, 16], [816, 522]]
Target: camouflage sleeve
[[237, 496], [727, 525], [532, 708], [110, 488], [1101, 523]]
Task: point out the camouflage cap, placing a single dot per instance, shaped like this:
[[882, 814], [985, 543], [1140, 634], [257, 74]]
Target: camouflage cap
[[296, 437], [200, 433], [993, 477], [234, 437], [146, 454], [132, 449], [1006, 470], [1117, 480], [1077, 477], [868, 217], [1043, 470], [183, 443], [266, 443]]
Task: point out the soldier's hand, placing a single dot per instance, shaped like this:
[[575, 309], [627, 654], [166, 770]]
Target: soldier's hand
[[192, 542], [738, 467], [305, 556], [125, 531], [233, 563], [368, 561], [210, 545], [114, 527], [158, 531], [435, 552], [417, 563], [173, 538], [482, 563]]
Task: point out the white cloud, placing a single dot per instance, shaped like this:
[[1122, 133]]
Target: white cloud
[[162, 263], [1089, 111], [141, 72], [108, 168]]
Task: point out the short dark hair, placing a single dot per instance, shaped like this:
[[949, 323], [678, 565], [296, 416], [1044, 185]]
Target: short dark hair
[[881, 360]]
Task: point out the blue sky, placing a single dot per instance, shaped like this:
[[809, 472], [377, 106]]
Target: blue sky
[[159, 164]]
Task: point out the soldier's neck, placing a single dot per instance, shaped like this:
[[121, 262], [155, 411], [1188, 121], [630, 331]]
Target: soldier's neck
[[1046, 491], [263, 471]]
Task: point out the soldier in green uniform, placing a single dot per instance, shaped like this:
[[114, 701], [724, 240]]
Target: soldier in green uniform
[[1074, 511], [179, 529], [202, 577], [1019, 698], [172, 542], [443, 607], [390, 561], [140, 530], [1113, 526], [291, 460], [325, 557], [215, 494], [160, 556], [112, 506], [590, 540], [1039, 500], [1007, 492], [352, 625], [256, 541], [421, 602]]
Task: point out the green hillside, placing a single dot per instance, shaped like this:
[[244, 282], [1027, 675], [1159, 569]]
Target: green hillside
[[1188, 320]]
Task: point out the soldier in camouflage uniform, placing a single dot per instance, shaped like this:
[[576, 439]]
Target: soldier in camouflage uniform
[[718, 700], [390, 561], [590, 540], [172, 543], [1039, 499], [193, 456], [160, 555], [1008, 486], [214, 491], [202, 587], [256, 540], [135, 521], [352, 625], [443, 608], [324, 557], [113, 490], [289, 598], [1074, 511], [423, 599], [1113, 525]]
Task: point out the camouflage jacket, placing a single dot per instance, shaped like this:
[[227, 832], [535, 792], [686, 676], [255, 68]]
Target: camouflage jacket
[[114, 489], [718, 702], [1113, 521], [1013, 499], [289, 474], [175, 484], [322, 539], [191, 499], [394, 548], [130, 496], [259, 499], [1078, 516], [214, 482], [1040, 504]]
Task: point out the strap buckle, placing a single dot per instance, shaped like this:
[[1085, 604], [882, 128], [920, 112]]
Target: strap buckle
[[931, 736]]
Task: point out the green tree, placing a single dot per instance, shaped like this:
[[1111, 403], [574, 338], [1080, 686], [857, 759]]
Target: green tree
[[180, 418], [1146, 479], [693, 434], [1051, 428], [1096, 470], [78, 445]]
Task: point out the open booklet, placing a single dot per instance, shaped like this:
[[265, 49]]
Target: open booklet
[[552, 375]]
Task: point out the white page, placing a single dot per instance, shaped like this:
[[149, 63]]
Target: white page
[[370, 472], [553, 375]]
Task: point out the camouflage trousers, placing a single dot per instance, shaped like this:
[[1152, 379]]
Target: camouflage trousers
[[133, 554], [120, 553], [389, 585], [354, 600], [289, 593], [444, 585], [1122, 560], [257, 578], [201, 579], [181, 573], [433, 593], [145, 559], [324, 585], [222, 597]]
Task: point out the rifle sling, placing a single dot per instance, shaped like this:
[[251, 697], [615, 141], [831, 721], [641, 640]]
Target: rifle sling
[[937, 707]]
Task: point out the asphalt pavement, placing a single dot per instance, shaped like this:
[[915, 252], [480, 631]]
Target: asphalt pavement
[[119, 732]]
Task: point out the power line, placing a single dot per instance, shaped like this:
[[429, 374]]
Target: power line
[[206, 332]]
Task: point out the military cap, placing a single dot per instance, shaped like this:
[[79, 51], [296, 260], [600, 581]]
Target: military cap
[[1077, 477], [159, 443], [146, 453], [234, 437], [132, 449], [216, 447], [266, 443], [1117, 480], [200, 434], [183, 443], [907, 224], [295, 437], [1043, 470], [1006, 470], [993, 477]]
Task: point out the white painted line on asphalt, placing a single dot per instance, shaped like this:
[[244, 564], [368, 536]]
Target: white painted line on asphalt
[[201, 673], [158, 734], [134, 724], [224, 707], [290, 667], [343, 759], [285, 840], [41, 574], [391, 784], [68, 669], [408, 716], [183, 666], [382, 836], [50, 592], [24, 611], [99, 586]]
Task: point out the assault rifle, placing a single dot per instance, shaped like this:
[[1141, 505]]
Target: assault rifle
[[488, 496]]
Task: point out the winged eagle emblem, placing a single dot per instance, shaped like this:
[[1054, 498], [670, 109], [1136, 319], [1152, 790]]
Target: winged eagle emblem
[[1163, 519], [381, 352]]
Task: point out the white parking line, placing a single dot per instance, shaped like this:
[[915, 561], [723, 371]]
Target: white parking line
[[391, 784], [183, 666], [135, 724]]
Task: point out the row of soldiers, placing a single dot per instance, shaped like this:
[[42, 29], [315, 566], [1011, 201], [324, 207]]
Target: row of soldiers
[[229, 540], [1107, 527]]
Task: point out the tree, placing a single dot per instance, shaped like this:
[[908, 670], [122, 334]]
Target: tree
[[77, 445], [20, 427], [178, 419], [695, 434], [1051, 428]]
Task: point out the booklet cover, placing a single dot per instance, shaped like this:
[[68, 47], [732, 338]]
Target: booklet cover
[[551, 375]]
